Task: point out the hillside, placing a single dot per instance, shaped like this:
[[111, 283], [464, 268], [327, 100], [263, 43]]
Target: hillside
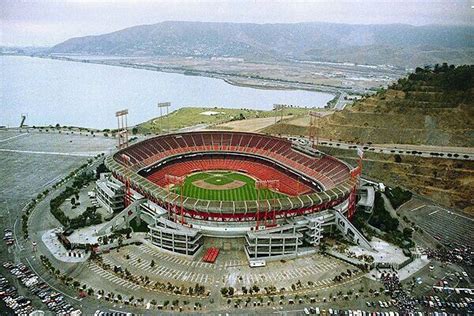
[[448, 182], [430, 107], [400, 45]]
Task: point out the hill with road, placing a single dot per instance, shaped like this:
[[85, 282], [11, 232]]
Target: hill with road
[[432, 106], [396, 44]]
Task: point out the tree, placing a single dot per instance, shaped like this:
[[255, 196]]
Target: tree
[[224, 291], [134, 131], [407, 232]]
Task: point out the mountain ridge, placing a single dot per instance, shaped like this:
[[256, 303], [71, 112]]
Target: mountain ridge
[[397, 44]]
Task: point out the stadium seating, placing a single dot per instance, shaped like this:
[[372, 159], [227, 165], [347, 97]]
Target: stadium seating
[[326, 170]]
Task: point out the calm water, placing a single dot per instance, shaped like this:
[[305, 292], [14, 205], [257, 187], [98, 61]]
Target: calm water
[[70, 93]]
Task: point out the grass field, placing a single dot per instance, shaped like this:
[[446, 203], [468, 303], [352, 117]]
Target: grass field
[[190, 116], [245, 192]]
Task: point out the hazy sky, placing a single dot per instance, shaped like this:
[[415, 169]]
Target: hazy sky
[[50, 22]]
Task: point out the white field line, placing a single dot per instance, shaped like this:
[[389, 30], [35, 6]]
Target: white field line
[[13, 137], [46, 153]]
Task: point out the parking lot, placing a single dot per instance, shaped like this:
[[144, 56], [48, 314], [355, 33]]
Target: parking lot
[[46, 156], [31, 163], [446, 226], [21, 305], [226, 272]]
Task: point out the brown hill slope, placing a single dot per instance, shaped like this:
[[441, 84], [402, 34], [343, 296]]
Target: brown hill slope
[[431, 107], [448, 182]]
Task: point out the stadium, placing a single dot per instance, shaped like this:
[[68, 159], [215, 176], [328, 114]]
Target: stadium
[[279, 194]]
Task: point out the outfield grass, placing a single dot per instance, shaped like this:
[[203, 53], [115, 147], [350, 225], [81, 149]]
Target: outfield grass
[[244, 193]]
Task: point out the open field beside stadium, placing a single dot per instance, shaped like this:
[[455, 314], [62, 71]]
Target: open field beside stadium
[[223, 186], [190, 116]]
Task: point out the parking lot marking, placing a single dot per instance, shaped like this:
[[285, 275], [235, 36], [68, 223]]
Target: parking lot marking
[[417, 208]]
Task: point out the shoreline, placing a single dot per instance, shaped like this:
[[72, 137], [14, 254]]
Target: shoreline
[[255, 83], [232, 79]]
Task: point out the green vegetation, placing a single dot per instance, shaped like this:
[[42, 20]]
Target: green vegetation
[[221, 178], [139, 228], [398, 196], [381, 218], [89, 217], [190, 116], [447, 78], [32, 204], [360, 220]]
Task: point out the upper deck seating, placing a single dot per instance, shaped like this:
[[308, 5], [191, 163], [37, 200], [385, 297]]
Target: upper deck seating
[[326, 170]]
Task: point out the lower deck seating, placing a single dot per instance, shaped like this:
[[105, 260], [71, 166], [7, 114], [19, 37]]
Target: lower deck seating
[[259, 170]]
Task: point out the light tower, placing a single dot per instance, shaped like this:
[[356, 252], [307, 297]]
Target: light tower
[[161, 106], [268, 185], [313, 131], [355, 175], [122, 130], [176, 180], [23, 119], [279, 107]]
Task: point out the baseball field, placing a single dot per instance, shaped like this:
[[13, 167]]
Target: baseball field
[[224, 186]]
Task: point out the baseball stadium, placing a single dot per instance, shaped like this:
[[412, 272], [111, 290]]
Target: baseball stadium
[[279, 194]]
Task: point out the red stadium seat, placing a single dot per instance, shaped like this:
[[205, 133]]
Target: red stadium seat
[[327, 170]]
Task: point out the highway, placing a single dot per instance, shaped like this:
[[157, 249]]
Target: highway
[[461, 153]]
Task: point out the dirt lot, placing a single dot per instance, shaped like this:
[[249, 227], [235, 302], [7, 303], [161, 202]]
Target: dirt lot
[[304, 120], [250, 125]]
